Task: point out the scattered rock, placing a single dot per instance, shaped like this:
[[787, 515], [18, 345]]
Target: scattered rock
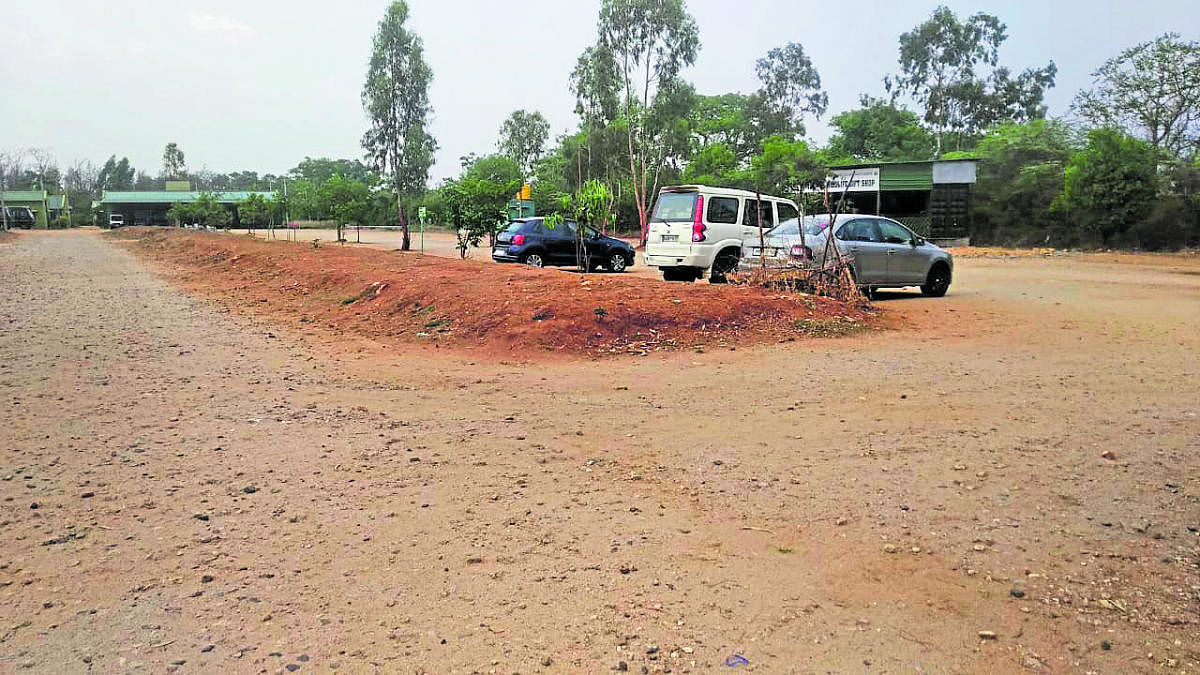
[[266, 618], [34, 506], [474, 560], [292, 667], [987, 635], [178, 662], [621, 666], [890, 548], [207, 648], [651, 649], [206, 579], [842, 521], [549, 661], [87, 495], [200, 516], [1109, 455], [250, 489], [1017, 593]]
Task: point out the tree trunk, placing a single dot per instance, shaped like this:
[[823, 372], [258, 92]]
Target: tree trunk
[[406, 243]]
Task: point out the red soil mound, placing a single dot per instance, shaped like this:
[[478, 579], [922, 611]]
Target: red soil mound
[[468, 303]]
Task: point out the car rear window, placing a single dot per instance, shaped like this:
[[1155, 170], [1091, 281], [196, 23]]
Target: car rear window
[[675, 206], [723, 210]]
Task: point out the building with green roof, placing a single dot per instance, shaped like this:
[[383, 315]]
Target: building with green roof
[[34, 200], [150, 208]]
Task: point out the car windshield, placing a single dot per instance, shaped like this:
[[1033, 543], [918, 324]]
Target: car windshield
[[813, 225], [516, 226], [675, 206]]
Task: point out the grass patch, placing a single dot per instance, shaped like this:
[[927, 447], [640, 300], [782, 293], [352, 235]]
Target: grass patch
[[835, 327]]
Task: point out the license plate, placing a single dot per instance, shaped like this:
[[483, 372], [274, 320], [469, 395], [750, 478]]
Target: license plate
[[670, 237]]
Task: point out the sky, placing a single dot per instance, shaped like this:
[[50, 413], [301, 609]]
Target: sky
[[261, 84]]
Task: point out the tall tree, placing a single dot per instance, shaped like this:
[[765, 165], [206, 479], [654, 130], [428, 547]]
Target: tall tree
[[879, 131], [1151, 90], [396, 99], [944, 66], [649, 42], [1110, 184], [791, 84], [174, 166], [117, 175], [523, 138]]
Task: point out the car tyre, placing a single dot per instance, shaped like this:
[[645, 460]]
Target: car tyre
[[937, 282], [617, 262], [534, 259], [724, 263]]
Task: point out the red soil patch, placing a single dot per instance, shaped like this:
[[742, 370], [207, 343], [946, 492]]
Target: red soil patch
[[468, 303]]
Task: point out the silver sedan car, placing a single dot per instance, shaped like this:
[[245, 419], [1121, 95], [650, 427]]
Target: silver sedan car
[[885, 253]]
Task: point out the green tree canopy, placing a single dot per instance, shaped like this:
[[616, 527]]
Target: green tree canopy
[[880, 131], [791, 84], [1110, 184], [1151, 90], [174, 167], [951, 69], [523, 138]]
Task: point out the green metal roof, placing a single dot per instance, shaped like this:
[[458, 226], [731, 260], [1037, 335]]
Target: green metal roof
[[23, 195], [159, 197], [907, 176]]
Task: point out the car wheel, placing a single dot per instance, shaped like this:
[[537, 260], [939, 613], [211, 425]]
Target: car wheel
[[616, 262], [724, 263], [533, 260], [938, 281]]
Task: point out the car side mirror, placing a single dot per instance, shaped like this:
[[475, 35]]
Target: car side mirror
[[916, 241]]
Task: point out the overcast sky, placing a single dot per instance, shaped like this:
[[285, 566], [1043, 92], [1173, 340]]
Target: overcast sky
[[260, 84]]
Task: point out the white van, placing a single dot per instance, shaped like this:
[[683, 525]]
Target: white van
[[697, 229], [116, 220]]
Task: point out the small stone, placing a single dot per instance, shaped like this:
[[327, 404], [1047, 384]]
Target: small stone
[[1109, 455], [207, 648], [474, 560], [688, 650], [303, 658], [1017, 593], [292, 667], [207, 578], [200, 516], [621, 666], [889, 548], [979, 547], [250, 489], [267, 618], [87, 495], [652, 649], [34, 506], [547, 662], [987, 635], [841, 521], [178, 662]]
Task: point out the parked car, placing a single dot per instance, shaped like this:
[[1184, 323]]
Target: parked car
[[696, 229], [20, 216], [885, 253], [116, 220], [530, 241]]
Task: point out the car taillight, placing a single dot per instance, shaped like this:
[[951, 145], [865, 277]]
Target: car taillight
[[697, 222], [518, 240], [802, 252]]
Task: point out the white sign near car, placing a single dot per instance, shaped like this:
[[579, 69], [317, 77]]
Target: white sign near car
[[854, 180]]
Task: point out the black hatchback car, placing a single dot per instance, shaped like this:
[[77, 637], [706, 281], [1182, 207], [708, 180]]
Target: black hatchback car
[[530, 242]]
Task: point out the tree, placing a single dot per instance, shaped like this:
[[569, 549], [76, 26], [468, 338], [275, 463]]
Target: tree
[[942, 66], [476, 200], [322, 169], [345, 202], [396, 99], [523, 138], [791, 84], [207, 210], [1110, 184], [880, 131], [785, 166], [253, 211], [649, 42], [174, 167], [116, 175], [1151, 90], [1022, 172]]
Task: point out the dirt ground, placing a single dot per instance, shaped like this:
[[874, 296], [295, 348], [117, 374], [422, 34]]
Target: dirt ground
[[1007, 481]]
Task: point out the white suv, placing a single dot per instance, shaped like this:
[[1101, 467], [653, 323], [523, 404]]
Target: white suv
[[696, 228]]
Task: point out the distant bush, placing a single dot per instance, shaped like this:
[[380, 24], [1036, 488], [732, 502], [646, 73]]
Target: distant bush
[[60, 223]]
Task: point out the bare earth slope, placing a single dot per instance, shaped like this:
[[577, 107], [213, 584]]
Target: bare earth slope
[[184, 489]]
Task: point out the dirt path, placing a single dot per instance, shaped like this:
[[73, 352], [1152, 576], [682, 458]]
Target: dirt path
[[215, 493]]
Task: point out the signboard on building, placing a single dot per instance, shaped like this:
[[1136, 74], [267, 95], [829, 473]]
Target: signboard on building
[[854, 180]]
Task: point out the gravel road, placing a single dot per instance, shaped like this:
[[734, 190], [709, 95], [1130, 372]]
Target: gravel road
[[1008, 483]]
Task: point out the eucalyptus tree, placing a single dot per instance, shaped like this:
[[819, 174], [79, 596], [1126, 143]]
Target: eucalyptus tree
[[952, 70], [523, 138], [174, 166], [641, 48], [396, 99], [1152, 90], [791, 84]]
